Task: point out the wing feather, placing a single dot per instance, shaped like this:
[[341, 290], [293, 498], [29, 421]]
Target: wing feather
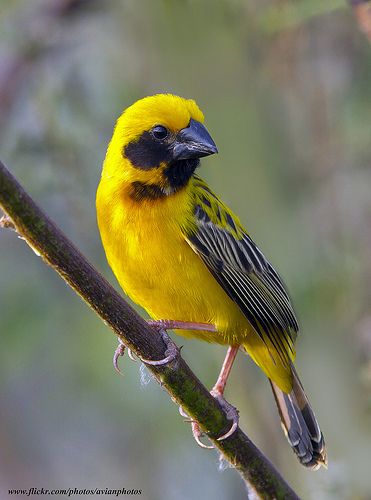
[[243, 271]]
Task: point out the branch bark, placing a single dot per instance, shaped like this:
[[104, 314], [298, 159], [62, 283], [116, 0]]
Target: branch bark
[[47, 240]]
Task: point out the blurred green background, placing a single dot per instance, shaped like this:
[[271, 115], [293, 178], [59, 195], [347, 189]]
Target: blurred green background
[[286, 88]]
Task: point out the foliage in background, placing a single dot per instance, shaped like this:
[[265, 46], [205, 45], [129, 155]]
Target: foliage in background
[[285, 87]]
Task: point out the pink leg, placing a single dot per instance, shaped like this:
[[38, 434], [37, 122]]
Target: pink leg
[[217, 391], [170, 324], [219, 387]]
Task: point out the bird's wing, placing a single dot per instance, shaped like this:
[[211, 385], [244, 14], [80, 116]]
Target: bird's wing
[[243, 271]]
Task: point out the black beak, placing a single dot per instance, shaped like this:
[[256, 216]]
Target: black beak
[[193, 142]]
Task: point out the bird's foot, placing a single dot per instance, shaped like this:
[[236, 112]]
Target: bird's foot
[[196, 431], [172, 350], [230, 411], [231, 414], [171, 353], [119, 352], [161, 326]]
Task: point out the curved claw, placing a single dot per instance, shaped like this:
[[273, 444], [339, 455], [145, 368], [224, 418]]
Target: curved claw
[[197, 433], [119, 352], [230, 432], [159, 362], [231, 413], [131, 355], [184, 414], [171, 351]]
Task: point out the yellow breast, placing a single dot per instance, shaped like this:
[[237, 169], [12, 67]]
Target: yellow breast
[[157, 268]]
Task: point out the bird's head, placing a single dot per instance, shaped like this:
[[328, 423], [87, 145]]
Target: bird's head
[[157, 144]]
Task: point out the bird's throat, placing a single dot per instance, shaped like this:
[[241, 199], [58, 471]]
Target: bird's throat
[[176, 177], [178, 173]]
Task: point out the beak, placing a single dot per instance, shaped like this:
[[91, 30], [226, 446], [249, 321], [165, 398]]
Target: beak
[[193, 142]]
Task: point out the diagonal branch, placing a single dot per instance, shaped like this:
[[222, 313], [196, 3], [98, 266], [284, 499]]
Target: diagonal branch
[[261, 478]]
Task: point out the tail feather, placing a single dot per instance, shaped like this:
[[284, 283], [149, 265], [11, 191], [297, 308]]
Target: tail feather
[[300, 425]]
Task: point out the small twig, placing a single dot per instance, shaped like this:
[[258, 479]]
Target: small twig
[[176, 377]]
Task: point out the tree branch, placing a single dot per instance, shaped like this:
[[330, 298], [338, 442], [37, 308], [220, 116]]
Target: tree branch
[[48, 241]]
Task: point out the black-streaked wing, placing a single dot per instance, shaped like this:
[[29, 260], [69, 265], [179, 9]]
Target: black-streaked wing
[[245, 274]]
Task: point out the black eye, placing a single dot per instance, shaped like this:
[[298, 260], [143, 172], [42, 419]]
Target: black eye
[[160, 132]]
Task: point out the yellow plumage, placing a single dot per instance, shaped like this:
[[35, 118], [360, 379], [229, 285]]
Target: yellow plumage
[[147, 250], [181, 254]]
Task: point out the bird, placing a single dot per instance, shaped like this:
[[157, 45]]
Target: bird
[[180, 253]]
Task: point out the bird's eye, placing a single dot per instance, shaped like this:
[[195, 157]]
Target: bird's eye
[[160, 132]]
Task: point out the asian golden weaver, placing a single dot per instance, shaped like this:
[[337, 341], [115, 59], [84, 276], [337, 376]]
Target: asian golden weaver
[[181, 254]]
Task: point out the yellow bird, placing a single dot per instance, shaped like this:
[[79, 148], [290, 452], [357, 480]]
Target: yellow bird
[[179, 252]]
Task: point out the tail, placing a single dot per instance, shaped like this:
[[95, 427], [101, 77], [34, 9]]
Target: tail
[[300, 425]]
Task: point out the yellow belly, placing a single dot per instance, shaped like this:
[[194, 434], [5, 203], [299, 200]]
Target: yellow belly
[[158, 269]]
